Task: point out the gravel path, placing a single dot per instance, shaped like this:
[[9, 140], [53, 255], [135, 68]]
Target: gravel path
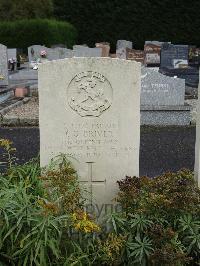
[[29, 110], [193, 112]]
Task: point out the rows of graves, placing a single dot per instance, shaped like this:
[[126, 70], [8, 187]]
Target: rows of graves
[[166, 70], [172, 60], [162, 94]]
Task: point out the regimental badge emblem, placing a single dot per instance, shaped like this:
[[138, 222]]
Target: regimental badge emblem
[[89, 94]]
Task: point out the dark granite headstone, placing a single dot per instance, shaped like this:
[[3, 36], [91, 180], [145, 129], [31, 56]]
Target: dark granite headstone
[[194, 56], [170, 52], [190, 74]]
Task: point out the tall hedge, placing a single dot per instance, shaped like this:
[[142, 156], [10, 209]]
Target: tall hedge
[[177, 21], [23, 33], [25, 9]]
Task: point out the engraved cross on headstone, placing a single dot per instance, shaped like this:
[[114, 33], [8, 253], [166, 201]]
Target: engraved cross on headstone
[[91, 180]]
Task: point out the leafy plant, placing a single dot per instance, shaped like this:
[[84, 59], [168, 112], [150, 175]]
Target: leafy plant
[[165, 211]]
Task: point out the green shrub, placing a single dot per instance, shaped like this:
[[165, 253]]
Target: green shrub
[[20, 9], [161, 219], [43, 222], [24, 33]]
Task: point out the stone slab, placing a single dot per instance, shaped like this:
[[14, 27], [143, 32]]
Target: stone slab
[[158, 89], [12, 53], [93, 116], [169, 52], [3, 66], [124, 44], [105, 46], [165, 116], [51, 53], [87, 52]]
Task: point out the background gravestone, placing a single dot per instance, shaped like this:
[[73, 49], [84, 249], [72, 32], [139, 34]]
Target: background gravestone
[[169, 52], [51, 53], [124, 44], [34, 52], [121, 48], [105, 46], [80, 51], [96, 119], [162, 100], [158, 89], [136, 55], [3, 66], [64, 52], [121, 53], [152, 53], [12, 53]]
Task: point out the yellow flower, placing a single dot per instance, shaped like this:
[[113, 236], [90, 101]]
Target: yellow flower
[[83, 223]]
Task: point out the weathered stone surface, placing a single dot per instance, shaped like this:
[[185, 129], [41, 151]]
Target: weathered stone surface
[[3, 66], [81, 51], [105, 46], [12, 53], [158, 89], [121, 53], [51, 53], [165, 115], [89, 110], [124, 44]]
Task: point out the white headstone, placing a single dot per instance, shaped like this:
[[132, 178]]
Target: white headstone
[[90, 110], [3, 66]]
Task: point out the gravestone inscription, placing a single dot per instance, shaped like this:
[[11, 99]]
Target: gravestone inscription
[[152, 53], [96, 120], [137, 55]]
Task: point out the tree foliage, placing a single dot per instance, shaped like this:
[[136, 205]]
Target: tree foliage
[[23, 33], [177, 21], [21, 9]]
